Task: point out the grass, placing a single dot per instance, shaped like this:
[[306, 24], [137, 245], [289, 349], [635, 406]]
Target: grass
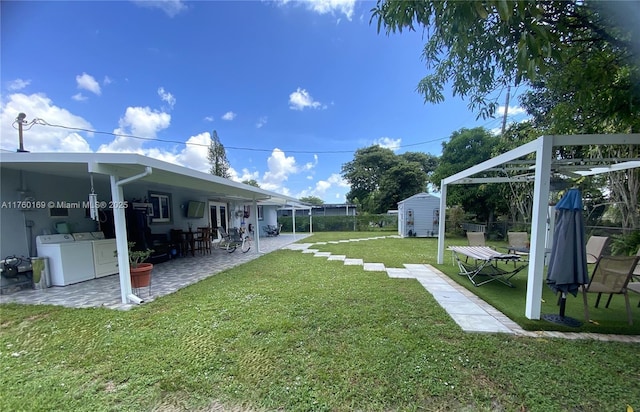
[[396, 252], [289, 331]]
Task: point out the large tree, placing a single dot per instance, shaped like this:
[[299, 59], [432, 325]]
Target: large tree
[[580, 59], [480, 47], [466, 148], [217, 157], [379, 178]]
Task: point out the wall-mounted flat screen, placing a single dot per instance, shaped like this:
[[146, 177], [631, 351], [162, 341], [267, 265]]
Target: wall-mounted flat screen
[[195, 209]]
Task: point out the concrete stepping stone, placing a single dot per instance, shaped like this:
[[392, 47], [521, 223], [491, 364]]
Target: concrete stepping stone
[[399, 273], [353, 262], [337, 257], [374, 267]]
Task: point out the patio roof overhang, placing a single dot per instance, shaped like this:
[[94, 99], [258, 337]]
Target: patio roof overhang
[[126, 165], [121, 169], [514, 166]]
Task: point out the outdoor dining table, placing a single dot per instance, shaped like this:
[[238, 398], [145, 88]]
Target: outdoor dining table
[[485, 268]]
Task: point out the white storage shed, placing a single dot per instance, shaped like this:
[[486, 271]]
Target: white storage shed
[[419, 216]]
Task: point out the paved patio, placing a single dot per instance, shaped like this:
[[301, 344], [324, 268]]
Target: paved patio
[[167, 278]]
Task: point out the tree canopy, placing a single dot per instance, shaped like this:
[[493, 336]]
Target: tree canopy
[[312, 200], [380, 179], [482, 46], [466, 148], [217, 157], [251, 182]]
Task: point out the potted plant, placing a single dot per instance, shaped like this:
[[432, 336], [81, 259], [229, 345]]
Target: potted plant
[[139, 270]]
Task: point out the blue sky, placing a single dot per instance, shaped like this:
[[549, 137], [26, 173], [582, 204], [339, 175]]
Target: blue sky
[[292, 88]]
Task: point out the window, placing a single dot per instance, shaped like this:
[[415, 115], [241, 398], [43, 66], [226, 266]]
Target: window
[[57, 212], [161, 207], [260, 213]]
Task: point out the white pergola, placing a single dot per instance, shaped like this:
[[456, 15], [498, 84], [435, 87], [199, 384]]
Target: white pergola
[[539, 171]]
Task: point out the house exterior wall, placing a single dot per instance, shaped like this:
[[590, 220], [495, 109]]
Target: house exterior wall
[[418, 216], [20, 228]]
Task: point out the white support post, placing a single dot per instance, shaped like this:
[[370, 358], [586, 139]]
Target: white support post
[[293, 222], [119, 221], [256, 229], [443, 217], [544, 154]]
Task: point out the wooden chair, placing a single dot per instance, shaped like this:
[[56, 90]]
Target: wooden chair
[[203, 240], [595, 247], [611, 275]]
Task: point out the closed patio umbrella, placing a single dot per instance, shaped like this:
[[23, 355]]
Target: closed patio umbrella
[[568, 262]]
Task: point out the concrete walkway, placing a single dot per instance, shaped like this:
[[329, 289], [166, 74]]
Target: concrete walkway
[[471, 313]]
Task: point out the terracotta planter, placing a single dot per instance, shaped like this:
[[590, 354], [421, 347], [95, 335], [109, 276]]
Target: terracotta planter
[[141, 276]]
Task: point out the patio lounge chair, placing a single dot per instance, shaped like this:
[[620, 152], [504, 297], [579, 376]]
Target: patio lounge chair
[[634, 284], [486, 268], [518, 242], [595, 246], [611, 275], [475, 238]]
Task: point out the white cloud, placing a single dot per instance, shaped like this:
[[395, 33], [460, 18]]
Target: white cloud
[[389, 143], [171, 7], [279, 168], [166, 97], [345, 7], [323, 187], [18, 84], [87, 82], [513, 110], [261, 122], [332, 6], [300, 99], [79, 97], [137, 121], [496, 131], [229, 116], [311, 165], [194, 154], [208, 118], [107, 80], [245, 174], [40, 138]]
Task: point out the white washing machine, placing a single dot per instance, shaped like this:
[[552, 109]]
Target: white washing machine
[[105, 261], [69, 261]]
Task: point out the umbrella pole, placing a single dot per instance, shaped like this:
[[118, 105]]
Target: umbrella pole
[[563, 303]]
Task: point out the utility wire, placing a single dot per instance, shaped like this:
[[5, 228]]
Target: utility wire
[[43, 122]]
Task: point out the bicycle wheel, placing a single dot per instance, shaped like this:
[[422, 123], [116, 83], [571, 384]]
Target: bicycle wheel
[[231, 247], [246, 244]]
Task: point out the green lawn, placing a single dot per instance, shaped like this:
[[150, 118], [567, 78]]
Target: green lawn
[[396, 252], [289, 331]]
